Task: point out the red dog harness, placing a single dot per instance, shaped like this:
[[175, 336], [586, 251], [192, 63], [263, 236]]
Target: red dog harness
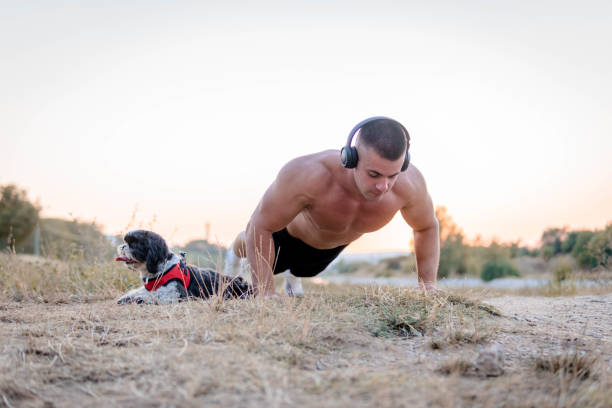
[[178, 271]]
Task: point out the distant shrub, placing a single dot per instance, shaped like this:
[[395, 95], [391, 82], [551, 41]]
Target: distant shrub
[[70, 239], [599, 247], [393, 263], [547, 253], [581, 252], [350, 267], [18, 216], [593, 248], [203, 253], [497, 268], [562, 270], [454, 255]]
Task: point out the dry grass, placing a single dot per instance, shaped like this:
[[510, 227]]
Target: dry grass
[[574, 364], [26, 277], [65, 342], [458, 366]]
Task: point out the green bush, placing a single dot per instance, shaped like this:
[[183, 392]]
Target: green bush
[[202, 253], [497, 268], [599, 247], [563, 269], [547, 253], [454, 255], [349, 267], [18, 216], [580, 250]]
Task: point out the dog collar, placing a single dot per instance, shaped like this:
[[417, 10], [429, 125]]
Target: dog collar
[[178, 271]]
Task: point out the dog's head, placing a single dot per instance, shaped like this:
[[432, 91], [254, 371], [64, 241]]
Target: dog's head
[[144, 251]]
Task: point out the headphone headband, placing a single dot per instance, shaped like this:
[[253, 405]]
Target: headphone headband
[[348, 154]]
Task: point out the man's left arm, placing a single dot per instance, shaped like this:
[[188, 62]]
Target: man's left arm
[[427, 251], [419, 214]]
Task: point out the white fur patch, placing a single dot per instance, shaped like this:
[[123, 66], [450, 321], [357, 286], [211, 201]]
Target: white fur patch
[[168, 293], [293, 284]]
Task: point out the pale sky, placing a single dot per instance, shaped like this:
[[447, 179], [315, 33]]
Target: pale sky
[[184, 111]]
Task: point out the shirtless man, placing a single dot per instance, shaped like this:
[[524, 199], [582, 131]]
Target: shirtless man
[[321, 202]]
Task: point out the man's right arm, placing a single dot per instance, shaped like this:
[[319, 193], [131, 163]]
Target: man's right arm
[[281, 203]]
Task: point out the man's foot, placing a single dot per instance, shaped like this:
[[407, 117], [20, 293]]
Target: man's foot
[[231, 263], [293, 285]]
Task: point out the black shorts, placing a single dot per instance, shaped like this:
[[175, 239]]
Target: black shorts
[[302, 259]]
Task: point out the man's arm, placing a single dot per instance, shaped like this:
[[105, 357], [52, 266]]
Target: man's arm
[[281, 203], [427, 250], [420, 215]]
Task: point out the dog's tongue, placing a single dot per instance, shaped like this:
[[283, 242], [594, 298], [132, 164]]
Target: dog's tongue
[[122, 259]]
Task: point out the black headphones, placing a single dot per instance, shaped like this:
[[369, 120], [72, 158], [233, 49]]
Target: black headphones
[[348, 154]]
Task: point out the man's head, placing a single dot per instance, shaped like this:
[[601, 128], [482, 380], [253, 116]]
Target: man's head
[[382, 150], [387, 137]]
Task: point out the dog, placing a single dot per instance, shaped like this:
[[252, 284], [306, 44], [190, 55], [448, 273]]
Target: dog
[[166, 276]]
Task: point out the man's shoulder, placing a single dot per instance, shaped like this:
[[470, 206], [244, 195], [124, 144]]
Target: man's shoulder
[[310, 174], [411, 185], [324, 158], [317, 165]]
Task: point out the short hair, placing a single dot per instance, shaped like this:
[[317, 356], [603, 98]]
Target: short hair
[[387, 137]]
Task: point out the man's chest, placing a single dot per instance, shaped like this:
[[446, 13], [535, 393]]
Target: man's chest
[[346, 216]]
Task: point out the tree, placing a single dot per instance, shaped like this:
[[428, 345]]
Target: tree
[[599, 247], [18, 216], [453, 252], [580, 250], [567, 246], [552, 241], [448, 227]]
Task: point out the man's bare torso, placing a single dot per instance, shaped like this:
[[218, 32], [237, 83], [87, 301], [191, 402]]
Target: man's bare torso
[[336, 213], [326, 205]]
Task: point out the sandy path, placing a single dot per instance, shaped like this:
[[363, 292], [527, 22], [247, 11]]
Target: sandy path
[[553, 324], [583, 315]]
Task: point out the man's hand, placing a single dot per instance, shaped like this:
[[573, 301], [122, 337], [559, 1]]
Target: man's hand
[[273, 295], [428, 286]]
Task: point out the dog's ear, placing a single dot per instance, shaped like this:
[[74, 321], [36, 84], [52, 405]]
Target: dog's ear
[[157, 253], [138, 242], [133, 236]]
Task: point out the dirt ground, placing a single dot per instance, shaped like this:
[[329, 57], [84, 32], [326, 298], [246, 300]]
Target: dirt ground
[[288, 354], [550, 324]]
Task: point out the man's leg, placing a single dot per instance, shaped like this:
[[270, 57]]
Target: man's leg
[[236, 257]]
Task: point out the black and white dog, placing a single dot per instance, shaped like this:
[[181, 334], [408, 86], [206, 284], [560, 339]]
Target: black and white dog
[[166, 276]]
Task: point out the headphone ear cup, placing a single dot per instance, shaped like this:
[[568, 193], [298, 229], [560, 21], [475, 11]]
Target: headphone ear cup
[[406, 161], [349, 157]]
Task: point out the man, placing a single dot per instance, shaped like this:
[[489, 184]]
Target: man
[[321, 202]]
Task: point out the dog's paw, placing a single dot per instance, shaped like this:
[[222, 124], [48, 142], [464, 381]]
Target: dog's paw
[[130, 299], [124, 300]]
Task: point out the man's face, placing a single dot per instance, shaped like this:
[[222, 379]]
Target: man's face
[[374, 175]]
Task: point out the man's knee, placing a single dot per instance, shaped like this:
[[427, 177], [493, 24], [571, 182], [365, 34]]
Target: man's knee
[[240, 245]]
